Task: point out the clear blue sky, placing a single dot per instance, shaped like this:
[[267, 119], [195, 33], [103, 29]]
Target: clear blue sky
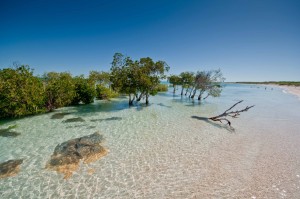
[[252, 40]]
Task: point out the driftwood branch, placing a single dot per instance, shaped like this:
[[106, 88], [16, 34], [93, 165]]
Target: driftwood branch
[[228, 113]]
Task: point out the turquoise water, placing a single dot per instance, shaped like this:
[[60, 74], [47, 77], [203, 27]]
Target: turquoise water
[[161, 151]]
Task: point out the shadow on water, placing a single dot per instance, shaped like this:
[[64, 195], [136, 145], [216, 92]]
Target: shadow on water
[[220, 126]]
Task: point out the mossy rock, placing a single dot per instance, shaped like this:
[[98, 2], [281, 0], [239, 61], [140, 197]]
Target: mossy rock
[[10, 168]]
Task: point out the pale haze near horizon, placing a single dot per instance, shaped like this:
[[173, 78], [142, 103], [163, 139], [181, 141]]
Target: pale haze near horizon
[[247, 40]]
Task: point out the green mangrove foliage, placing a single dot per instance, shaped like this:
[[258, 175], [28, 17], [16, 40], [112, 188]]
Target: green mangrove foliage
[[60, 90], [209, 82], [162, 88], [174, 81], [84, 91], [102, 92], [186, 80], [102, 82], [137, 78], [21, 93], [103, 78]]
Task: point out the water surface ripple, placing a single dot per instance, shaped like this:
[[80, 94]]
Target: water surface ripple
[[162, 151]]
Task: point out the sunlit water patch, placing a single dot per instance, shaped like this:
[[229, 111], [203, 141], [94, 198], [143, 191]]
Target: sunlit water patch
[[164, 150]]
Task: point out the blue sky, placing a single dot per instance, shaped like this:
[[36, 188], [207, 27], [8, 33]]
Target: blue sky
[[250, 40]]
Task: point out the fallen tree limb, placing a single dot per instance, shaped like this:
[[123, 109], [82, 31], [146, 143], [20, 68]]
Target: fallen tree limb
[[228, 113]]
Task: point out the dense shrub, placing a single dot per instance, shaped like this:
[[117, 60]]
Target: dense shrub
[[60, 89], [103, 92], [84, 91], [20, 92], [162, 88]]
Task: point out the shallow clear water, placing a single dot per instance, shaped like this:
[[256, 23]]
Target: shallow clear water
[[161, 151]]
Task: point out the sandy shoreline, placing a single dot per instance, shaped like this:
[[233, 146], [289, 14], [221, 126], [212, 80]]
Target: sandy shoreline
[[294, 90]]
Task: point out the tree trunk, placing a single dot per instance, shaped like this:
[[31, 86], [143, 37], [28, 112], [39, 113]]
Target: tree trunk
[[147, 98], [140, 97], [131, 100], [194, 93], [200, 95], [207, 96], [174, 88], [191, 92], [187, 90], [50, 107], [182, 90]]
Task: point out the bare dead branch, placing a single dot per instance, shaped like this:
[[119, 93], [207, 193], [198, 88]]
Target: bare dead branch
[[228, 113]]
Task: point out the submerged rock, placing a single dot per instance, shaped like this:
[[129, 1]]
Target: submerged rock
[[8, 132], [75, 119], [113, 118], [161, 104], [67, 156], [59, 115], [106, 119], [76, 126], [10, 168]]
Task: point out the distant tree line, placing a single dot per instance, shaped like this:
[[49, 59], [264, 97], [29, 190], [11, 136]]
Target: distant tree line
[[281, 83], [201, 83], [22, 93]]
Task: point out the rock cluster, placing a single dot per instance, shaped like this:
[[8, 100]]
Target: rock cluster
[[67, 156]]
